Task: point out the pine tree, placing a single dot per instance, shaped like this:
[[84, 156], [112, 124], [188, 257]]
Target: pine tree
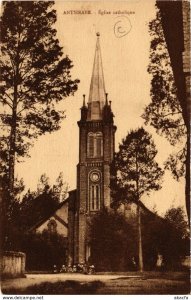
[[35, 76], [136, 173], [167, 112]]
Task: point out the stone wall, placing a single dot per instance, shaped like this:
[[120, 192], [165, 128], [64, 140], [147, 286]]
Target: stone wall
[[13, 264]]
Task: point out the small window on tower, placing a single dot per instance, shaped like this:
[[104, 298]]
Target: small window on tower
[[94, 197], [97, 197], [99, 144], [95, 144], [90, 146]]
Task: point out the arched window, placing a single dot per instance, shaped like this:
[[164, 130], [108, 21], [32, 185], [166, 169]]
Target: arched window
[[52, 226], [97, 197], [99, 144], [94, 197], [90, 146], [92, 201], [95, 144]]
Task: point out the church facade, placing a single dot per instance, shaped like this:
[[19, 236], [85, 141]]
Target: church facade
[[96, 151]]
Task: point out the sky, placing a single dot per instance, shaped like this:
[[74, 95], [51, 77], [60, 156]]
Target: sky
[[125, 57]]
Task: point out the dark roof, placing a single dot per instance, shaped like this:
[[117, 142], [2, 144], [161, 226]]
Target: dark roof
[[54, 213], [60, 220]]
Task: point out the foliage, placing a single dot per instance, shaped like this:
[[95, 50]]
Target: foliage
[[9, 228], [68, 287], [112, 241], [135, 171], [60, 188], [43, 250], [34, 59], [35, 77], [43, 184], [176, 163], [176, 237], [167, 113], [176, 217], [33, 207], [166, 236], [164, 112], [39, 205], [151, 224], [113, 232]]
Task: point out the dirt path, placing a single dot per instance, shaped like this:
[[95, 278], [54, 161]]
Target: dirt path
[[39, 278], [114, 284]]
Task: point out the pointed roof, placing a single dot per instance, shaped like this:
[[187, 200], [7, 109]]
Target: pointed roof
[[97, 86]]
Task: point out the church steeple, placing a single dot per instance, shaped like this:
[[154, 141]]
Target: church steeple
[[97, 87], [96, 152]]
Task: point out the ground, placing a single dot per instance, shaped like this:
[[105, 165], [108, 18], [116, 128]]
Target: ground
[[122, 283]]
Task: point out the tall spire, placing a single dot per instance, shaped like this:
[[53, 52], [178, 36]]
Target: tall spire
[[97, 86]]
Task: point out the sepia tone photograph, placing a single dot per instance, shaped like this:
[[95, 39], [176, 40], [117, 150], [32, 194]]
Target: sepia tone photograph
[[95, 148]]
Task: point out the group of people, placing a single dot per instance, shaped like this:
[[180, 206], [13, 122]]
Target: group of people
[[79, 268]]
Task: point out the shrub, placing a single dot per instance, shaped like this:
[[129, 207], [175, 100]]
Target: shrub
[[43, 250]]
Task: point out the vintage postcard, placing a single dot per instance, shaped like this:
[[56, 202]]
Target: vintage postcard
[[95, 147]]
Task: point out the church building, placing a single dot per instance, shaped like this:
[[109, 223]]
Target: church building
[[96, 150]]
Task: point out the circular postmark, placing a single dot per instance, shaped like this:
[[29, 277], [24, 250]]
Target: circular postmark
[[122, 26]]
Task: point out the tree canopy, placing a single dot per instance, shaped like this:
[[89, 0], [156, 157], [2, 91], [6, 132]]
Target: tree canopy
[[40, 204], [174, 235], [136, 173], [167, 112], [164, 112], [135, 169], [35, 76], [28, 209], [109, 233]]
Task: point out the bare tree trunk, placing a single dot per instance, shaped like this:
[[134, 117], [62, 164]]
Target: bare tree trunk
[[12, 145], [12, 159], [140, 239], [187, 188], [139, 217], [12, 148], [9, 198]]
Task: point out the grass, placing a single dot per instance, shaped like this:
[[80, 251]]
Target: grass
[[68, 287], [149, 283]]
